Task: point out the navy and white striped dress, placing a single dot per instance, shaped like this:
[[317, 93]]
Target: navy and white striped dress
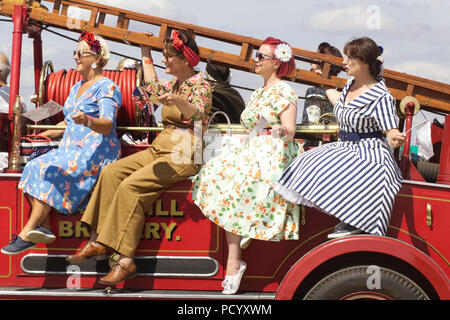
[[355, 181]]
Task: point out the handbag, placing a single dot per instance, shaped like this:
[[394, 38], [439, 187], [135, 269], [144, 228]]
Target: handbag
[[34, 145], [215, 143]]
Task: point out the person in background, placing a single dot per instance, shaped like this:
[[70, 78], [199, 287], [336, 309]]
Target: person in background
[[5, 69], [225, 98], [126, 63], [356, 178], [234, 190], [63, 178], [317, 103], [127, 188]]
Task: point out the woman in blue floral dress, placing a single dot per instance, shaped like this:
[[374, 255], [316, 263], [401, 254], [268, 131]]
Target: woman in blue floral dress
[[63, 178]]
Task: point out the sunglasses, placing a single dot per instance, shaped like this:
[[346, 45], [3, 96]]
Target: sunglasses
[[81, 54], [261, 56]]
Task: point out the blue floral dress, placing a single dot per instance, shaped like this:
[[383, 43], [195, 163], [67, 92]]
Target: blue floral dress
[[64, 177]]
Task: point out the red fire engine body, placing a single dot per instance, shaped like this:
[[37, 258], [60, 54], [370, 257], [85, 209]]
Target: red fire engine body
[[182, 254]]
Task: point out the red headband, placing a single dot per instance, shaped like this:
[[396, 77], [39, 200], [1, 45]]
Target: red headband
[[192, 58]]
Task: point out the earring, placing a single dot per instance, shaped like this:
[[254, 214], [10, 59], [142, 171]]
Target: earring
[[94, 66]]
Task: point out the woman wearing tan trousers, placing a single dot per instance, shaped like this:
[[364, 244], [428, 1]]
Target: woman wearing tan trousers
[[127, 188]]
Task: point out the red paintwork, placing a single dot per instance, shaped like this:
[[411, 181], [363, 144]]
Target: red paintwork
[[385, 245], [444, 166]]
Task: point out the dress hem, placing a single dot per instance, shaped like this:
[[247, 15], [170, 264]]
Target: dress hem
[[295, 197]]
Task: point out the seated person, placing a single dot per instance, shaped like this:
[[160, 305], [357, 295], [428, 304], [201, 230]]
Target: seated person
[[234, 190], [5, 69], [224, 97], [317, 103], [128, 188], [63, 178]]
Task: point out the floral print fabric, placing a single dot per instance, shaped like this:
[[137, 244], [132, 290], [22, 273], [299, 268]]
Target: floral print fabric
[[234, 190], [63, 178], [199, 95]]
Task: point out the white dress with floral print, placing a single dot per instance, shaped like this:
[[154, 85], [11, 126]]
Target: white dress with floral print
[[234, 190]]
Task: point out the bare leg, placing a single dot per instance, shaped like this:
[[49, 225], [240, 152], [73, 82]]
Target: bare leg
[[39, 214], [46, 222], [234, 253]]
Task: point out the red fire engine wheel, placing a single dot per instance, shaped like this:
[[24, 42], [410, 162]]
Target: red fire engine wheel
[[366, 283]]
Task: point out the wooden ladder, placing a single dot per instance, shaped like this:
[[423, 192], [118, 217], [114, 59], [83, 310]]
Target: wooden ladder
[[432, 95]]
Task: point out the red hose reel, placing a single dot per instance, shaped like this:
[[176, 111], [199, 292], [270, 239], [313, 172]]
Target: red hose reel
[[57, 85]]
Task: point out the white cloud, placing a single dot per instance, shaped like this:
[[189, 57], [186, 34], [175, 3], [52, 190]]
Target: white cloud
[[425, 69], [351, 18], [159, 8]]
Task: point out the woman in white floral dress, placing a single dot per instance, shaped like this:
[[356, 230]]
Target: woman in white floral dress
[[234, 190]]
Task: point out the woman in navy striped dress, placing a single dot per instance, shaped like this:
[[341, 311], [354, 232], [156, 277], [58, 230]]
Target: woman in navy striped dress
[[355, 178]]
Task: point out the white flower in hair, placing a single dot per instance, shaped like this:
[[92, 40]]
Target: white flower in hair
[[283, 52], [381, 59]]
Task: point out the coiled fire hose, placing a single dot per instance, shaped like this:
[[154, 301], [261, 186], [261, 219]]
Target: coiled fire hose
[[57, 86]]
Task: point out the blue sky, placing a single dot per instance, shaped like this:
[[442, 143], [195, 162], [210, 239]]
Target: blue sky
[[414, 33]]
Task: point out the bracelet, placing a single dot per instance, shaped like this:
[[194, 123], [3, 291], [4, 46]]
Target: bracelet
[[88, 123], [147, 61]]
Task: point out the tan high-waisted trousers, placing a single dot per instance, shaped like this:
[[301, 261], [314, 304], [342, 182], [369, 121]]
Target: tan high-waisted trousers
[[126, 189]]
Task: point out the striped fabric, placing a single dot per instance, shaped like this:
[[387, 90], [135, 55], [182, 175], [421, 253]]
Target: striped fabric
[[355, 181]]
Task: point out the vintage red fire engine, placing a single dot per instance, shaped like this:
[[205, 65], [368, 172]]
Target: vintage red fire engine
[[181, 253]]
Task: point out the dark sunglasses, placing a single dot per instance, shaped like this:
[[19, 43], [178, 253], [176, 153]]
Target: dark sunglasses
[[261, 56], [80, 54]]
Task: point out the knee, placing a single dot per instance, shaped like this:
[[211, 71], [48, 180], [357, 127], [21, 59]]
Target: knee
[[107, 171], [127, 186]]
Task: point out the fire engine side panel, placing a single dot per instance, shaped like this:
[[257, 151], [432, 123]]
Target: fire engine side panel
[[364, 243], [8, 209], [421, 217]]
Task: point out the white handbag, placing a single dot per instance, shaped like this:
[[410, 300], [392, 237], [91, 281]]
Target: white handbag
[[216, 143]]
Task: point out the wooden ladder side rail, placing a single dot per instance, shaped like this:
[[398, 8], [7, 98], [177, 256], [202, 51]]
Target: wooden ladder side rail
[[432, 95]]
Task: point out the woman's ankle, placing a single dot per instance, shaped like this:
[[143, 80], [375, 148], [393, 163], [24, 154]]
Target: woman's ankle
[[233, 267], [126, 261]]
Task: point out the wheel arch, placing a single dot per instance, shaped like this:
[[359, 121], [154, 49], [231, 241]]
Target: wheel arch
[[345, 251]]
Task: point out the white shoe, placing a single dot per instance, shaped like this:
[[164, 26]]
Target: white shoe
[[231, 283], [245, 242]]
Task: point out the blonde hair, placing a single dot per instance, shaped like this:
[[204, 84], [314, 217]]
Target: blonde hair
[[104, 53], [5, 67]]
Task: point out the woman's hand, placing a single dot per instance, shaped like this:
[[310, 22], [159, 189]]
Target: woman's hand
[[278, 131], [170, 99], [54, 134], [395, 138], [146, 50], [80, 118]]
